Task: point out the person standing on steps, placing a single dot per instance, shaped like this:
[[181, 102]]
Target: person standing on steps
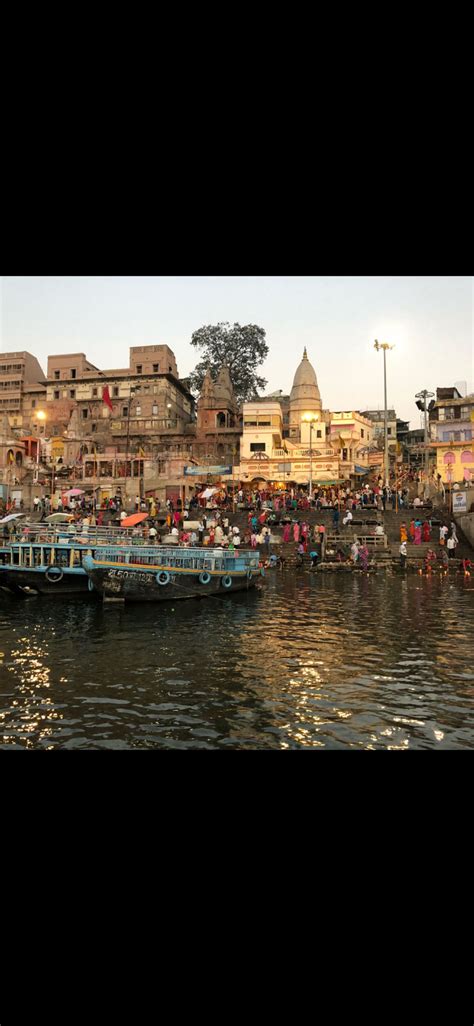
[[403, 554]]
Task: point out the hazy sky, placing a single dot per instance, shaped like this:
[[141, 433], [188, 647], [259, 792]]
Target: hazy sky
[[428, 319]]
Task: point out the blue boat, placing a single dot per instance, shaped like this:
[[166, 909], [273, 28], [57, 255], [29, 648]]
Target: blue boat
[[161, 573]]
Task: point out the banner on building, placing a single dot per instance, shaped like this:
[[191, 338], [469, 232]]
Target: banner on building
[[459, 502], [203, 472]]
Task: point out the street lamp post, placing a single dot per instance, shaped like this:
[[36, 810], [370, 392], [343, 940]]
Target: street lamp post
[[41, 416], [384, 346], [308, 419], [130, 400]]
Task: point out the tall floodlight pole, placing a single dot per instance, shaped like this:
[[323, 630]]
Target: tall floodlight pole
[[422, 400], [384, 346]]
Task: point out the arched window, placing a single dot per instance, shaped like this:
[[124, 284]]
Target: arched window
[[221, 420], [449, 457], [19, 459], [467, 457]]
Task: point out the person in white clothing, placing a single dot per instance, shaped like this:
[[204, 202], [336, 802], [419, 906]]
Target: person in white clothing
[[347, 519], [451, 546]]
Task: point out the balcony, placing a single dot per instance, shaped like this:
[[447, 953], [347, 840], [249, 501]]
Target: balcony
[[150, 426]]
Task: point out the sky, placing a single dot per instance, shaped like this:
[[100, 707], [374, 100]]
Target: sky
[[429, 321]]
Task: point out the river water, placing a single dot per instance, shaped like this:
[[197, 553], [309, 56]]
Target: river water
[[309, 661]]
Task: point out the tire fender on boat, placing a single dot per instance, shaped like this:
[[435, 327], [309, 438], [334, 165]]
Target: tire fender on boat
[[55, 570], [204, 578], [226, 582], [163, 578]]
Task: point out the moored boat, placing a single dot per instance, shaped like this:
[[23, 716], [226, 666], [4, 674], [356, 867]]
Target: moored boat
[[159, 573], [49, 561]]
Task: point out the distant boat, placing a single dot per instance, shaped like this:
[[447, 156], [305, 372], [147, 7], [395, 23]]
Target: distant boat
[[160, 573]]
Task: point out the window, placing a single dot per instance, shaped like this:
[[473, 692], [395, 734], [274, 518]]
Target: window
[[94, 393], [257, 447], [125, 411], [319, 434], [389, 431], [116, 392], [33, 404], [466, 412], [94, 427], [448, 413], [170, 370], [139, 369], [56, 395], [138, 411], [361, 432], [85, 414], [72, 393], [73, 374], [156, 368], [56, 375]]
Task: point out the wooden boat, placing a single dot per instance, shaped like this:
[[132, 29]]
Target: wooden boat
[[49, 561], [46, 567], [160, 573]]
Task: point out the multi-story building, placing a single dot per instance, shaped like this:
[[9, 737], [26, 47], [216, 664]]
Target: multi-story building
[[22, 388], [452, 434], [378, 419], [352, 436]]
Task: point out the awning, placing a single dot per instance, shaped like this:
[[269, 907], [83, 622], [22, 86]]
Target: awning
[[361, 470]]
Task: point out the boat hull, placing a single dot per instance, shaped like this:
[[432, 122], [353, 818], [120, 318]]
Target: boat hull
[[143, 586], [24, 580]]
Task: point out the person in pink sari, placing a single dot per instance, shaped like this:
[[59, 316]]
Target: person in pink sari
[[286, 533], [417, 532], [296, 533]]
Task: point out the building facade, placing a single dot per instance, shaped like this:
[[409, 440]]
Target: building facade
[[22, 388], [452, 434], [317, 447]]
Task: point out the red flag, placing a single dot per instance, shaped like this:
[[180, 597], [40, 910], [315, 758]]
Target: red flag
[[107, 399]]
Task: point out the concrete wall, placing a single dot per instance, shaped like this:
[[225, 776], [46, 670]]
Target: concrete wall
[[466, 523]]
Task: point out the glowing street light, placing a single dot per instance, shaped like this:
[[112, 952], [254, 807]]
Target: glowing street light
[[309, 418]]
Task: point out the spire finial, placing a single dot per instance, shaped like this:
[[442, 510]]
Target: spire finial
[[305, 355]]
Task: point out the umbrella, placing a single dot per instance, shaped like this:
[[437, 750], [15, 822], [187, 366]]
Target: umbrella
[[74, 491], [208, 493], [12, 516], [136, 518], [56, 517]]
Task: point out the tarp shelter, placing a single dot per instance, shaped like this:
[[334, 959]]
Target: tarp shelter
[[56, 518], [208, 493], [136, 518], [12, 516]]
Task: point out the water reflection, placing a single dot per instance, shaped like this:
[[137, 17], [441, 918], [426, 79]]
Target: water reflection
[[309, 662]]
